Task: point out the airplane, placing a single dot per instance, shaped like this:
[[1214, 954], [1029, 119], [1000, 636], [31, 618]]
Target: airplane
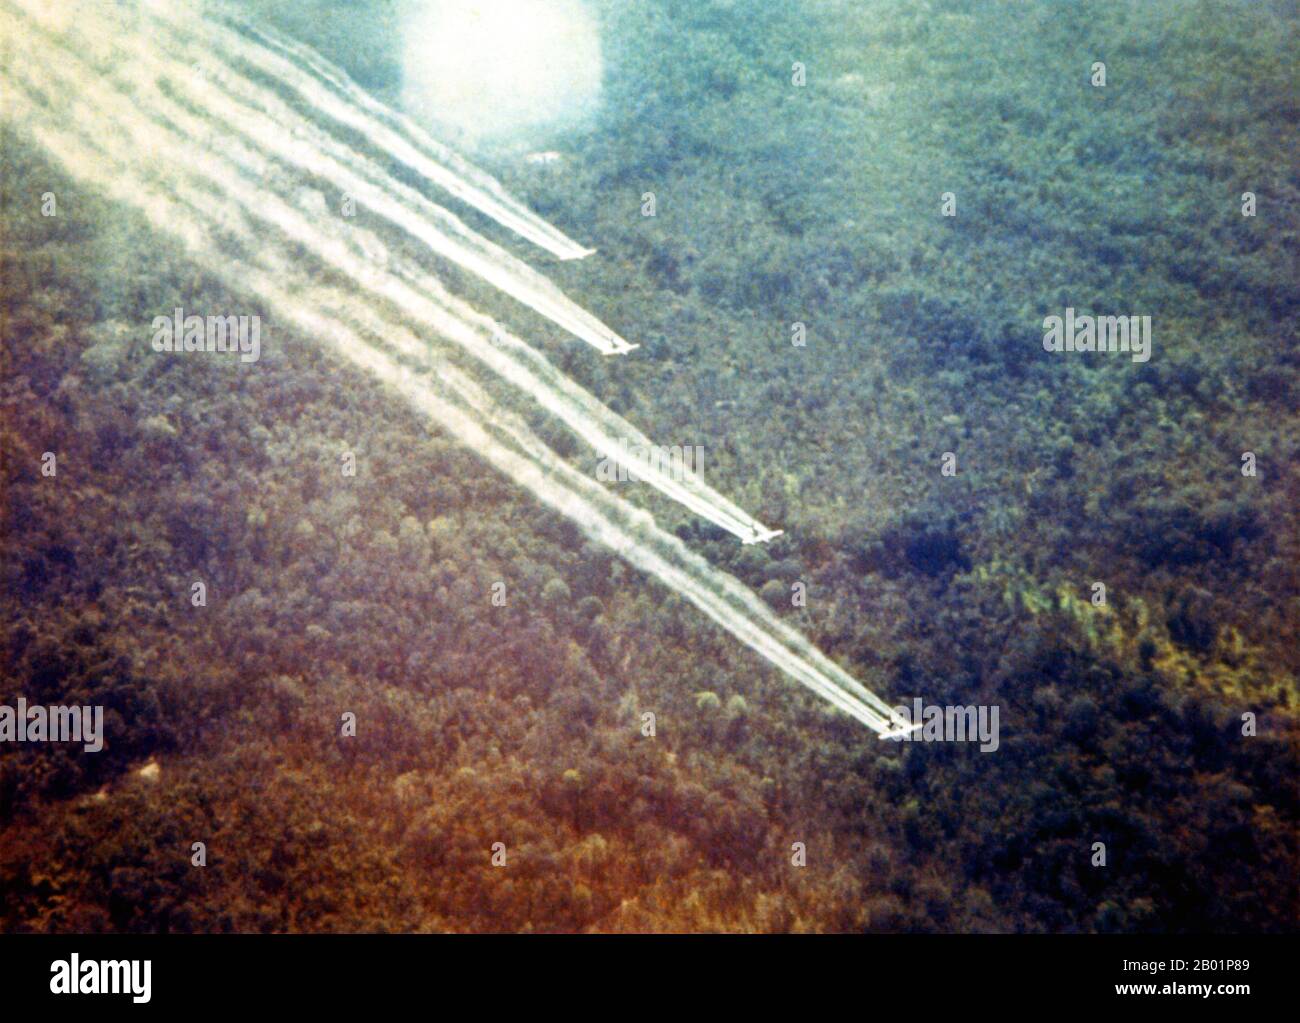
[[759, 535], [900, 730]]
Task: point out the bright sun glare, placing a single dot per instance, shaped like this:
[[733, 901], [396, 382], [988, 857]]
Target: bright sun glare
[[495, 68]]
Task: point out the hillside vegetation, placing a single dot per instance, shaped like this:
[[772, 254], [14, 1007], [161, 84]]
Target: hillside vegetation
[[522, 724]]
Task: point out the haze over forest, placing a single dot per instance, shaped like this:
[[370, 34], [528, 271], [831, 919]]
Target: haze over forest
[[1161, 723]]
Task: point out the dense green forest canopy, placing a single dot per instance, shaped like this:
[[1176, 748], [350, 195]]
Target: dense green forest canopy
[[776, 204]]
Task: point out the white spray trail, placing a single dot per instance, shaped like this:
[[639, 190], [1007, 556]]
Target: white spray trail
[[125, 169], [425, 299], [443, 233], [332, 93]]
